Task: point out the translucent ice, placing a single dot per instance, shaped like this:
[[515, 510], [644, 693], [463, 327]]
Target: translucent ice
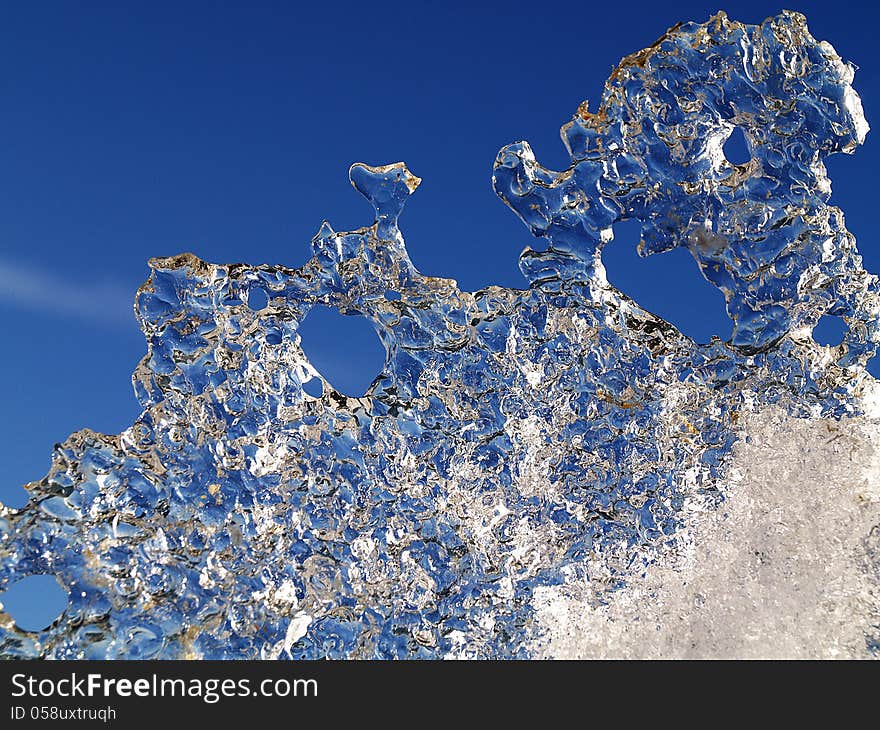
[[515, 443]]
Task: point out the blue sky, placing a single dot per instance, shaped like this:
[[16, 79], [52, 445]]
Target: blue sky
[[132, 130]]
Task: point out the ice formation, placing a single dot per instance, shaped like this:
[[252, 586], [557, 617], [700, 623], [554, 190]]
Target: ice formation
[[787, 568], [532, 469]]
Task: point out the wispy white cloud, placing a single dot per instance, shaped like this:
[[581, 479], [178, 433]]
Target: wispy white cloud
[[46, 291]]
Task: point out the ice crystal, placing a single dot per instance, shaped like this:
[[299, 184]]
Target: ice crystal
[[515, 440]]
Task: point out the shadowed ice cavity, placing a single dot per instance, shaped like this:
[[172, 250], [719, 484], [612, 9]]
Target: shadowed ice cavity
[[514, 439]]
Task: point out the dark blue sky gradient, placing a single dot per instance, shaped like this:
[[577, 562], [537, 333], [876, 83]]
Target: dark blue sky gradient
[[228, 131]]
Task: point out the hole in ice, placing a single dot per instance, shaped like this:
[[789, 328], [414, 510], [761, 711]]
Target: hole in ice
[[829, 330], [314, 387], [257, 298], [345, 349], [736, 148], [668, 284], [34, 602]]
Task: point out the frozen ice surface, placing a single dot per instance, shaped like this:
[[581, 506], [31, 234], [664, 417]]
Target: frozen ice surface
[[552, 471], [787, 567]]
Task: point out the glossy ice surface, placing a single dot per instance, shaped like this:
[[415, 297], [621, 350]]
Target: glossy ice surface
[[515, 440]]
